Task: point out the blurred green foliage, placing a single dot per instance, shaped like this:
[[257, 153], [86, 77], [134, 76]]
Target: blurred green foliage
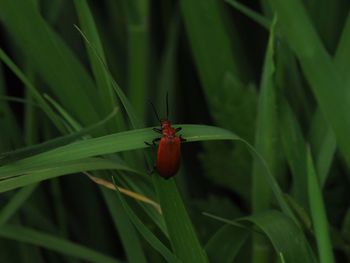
[[264, 183]]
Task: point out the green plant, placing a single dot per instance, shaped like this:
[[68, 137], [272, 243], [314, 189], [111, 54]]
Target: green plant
[[264, 181]]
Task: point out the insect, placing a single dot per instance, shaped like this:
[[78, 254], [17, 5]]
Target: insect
[[168, 154]]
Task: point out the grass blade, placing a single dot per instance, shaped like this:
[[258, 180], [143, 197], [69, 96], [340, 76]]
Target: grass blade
[[318, 214], [103, 83], [266, 143], [50, 144], [211, 46], [322, 135], [147, 234], [168, 81], [324, 145], [266, 135], [135, 122], [181, 233], [22, 177], [172, 196], [294, 148], [258, 18], [131, 140], [10, 132], [342, 54], [43, 104], [285, 236], [15, 203], [59, 68], [126, 230], [224, 245], [318, 68], [138, 53], [37, 238]]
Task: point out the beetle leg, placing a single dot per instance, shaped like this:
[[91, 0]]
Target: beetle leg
[[182, 139], [153, 144], [178, 129], [148, 144], [157, 130], [152, 171], [155, 140]]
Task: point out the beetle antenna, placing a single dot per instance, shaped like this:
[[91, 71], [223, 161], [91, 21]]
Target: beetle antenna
[[155, 111], [167, 106]]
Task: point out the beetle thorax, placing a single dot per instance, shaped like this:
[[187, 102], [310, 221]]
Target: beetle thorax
[[167, 130]]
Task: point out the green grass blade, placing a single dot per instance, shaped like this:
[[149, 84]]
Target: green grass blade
[[135, 122], [114, 42], [267, 144], [224, 245], [294, 148], [318, 214], [266, 8], [223, 69], [345, 228], [23, 177], [324, 145], [10, 131], [168, 81], [131, 140], [42, 103], [31, 121], [147, 234], [342, 55], [233, 109], [54, 143], [328, 18], [103, 83], [300, 212], [230, 222], [318, 68], [69, 121], [181, 233], [59, 68], [123, 141], [211, 45], [258, 18], [37, 238], [54, 10], [138, 53], [126, 230], [266, 134], [58, 205], [285, 236], [322, 135], [18, 100], [15, 203], [144, 186]]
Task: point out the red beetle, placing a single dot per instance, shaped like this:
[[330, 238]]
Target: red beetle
[[168, 155]]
